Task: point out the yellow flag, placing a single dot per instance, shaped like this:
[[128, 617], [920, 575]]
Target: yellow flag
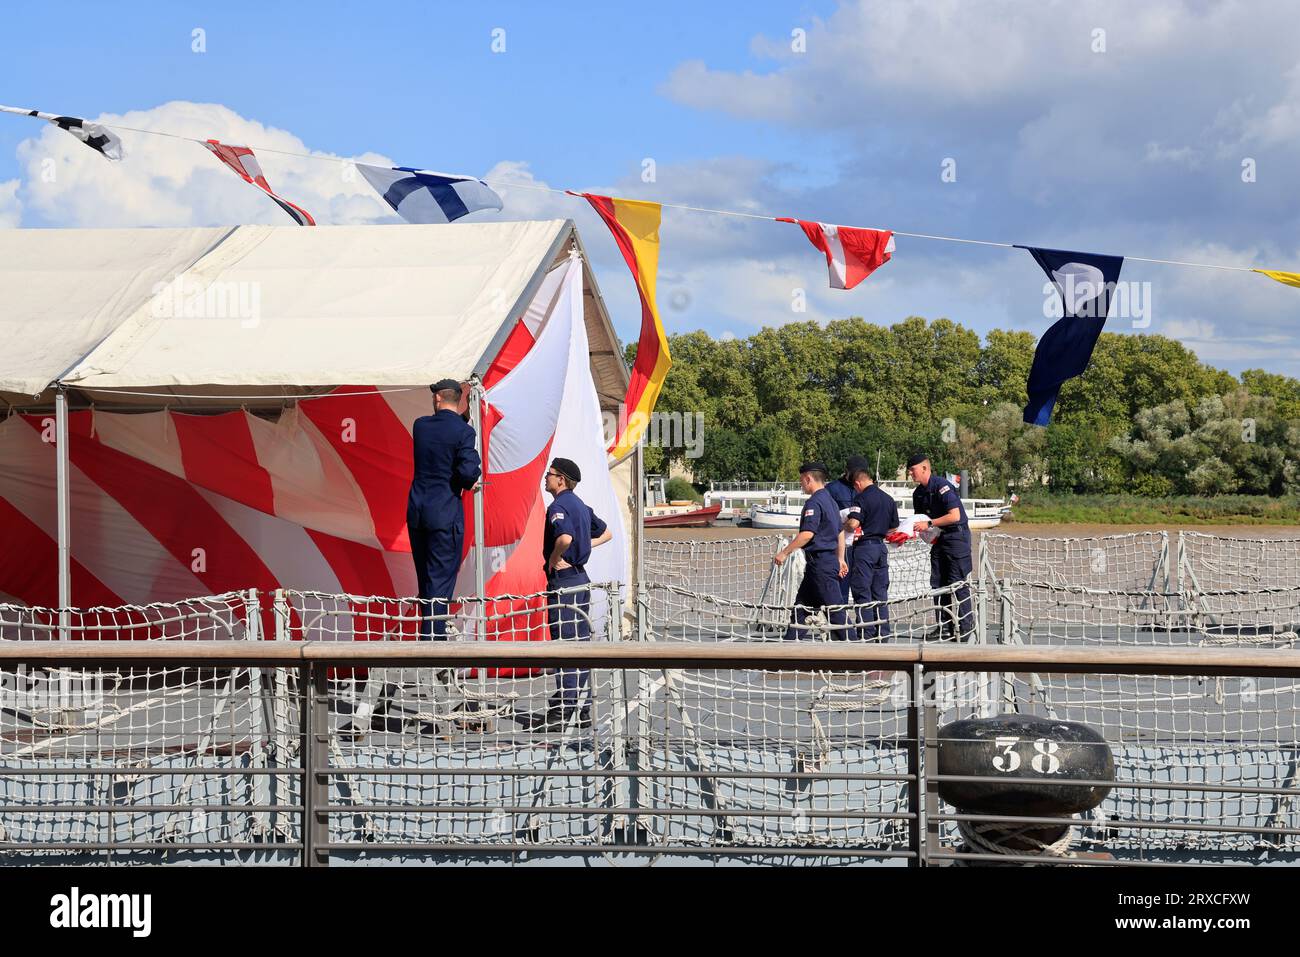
[[1290, 278]]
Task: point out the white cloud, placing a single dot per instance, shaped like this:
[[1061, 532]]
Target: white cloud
[[11, 208], [165, 181], [1136, 150]]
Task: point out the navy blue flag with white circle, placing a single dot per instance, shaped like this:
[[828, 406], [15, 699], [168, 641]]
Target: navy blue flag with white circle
[[1085, 283]]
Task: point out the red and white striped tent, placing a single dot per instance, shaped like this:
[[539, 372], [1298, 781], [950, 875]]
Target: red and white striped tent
[[239, 403]]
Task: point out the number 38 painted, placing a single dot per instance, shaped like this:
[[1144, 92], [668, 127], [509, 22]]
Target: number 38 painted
[[1044, 760]]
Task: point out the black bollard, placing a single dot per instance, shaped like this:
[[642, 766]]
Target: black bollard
[[1035, 759]]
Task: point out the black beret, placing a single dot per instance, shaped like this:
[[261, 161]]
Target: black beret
[[568, 468], [814, 467], [444, 385], [854, 463], [917, 459]]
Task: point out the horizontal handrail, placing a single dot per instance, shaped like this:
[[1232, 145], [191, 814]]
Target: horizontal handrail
[[792, 656]]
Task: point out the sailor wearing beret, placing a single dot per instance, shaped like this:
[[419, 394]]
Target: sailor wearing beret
[[572, 531], [939, 507], [821, 537]]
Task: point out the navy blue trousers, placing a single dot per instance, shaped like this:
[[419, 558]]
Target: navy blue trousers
[[820, 588], [570, 620], [436, 553], [870, 582], [950, 562]]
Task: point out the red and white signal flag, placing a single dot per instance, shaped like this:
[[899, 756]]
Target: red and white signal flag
[[246, 167], [852, 254]]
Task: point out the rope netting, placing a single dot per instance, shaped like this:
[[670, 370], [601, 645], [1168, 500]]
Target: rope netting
[[504, 755], [155, 728], [1190, 730], [1133, 562], [684, 757]]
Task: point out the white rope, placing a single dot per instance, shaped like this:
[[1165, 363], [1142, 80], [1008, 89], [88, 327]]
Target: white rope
[[991, 837]]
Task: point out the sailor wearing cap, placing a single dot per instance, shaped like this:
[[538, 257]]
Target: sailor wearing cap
[[572, 531], [821, 537], [875, 513], [446, 464], [950, 561], [842, 491]]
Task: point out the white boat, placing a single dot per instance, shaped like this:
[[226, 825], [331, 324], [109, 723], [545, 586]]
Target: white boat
[[781, 510], [738, 498], [782, 515]]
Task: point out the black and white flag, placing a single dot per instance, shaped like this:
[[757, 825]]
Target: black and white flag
[[98, 138]]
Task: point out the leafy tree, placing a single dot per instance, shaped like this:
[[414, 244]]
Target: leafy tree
[[1003, 367], [1147, 414], [1227, 444], [724, 456], [1284, 390], [1078, 457], [677, 489], [1001, 449], [864, 439], [773, 453]]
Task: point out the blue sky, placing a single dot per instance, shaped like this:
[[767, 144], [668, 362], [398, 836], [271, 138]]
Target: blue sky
[[1135, 148]]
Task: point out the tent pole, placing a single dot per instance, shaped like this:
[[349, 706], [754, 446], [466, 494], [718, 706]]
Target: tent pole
[[638, 523], [476, 420], [61, 491]]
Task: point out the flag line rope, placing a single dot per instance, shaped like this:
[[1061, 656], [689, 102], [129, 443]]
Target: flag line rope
[[680, 206]]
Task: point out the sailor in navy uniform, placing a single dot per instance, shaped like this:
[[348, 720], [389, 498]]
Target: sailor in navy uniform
[[572, 531], [446, 465], [875, 512], [821, 537], [842, 491], [937, 500]]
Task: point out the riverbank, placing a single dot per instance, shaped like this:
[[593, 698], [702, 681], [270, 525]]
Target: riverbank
[[1177, 511]]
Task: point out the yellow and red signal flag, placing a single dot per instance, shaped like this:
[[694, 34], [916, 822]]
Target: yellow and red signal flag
[[1287, 278], [635, 225]]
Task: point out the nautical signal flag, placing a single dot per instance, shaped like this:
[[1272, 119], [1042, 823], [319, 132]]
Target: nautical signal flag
[[421, 196], [1085, 282], [98, 138], [635, 225], [1288, 278], [245, 165], [852, 254]]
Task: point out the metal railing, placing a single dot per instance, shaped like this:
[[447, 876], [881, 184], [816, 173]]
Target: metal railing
[[634, 780]]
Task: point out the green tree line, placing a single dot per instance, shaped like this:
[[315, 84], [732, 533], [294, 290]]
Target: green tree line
[[1147, 417]]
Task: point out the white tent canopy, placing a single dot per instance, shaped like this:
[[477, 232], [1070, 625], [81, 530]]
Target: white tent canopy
[[274, 310], [254, 315]]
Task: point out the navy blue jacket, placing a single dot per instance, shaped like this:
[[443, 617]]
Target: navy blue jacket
[[876, 511], [569, 515], [936, 499], [822, 518], [842, 492], [446, 464]]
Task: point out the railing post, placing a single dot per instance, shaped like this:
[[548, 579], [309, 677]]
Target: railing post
[[915, 823], [1171, 573], [986, 680], [314, 722], [1006, 613], [930, 764]]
